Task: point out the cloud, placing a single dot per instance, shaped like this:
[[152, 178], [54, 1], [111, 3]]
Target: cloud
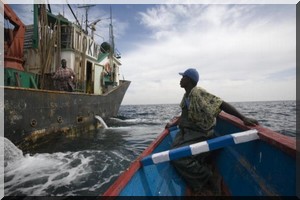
[[233, 47], [242, 52]]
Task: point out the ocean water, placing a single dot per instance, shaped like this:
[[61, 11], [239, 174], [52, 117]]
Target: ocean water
[[87, 164]]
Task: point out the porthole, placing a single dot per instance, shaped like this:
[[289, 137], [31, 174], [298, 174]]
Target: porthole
[[33, 123], [59, 119]]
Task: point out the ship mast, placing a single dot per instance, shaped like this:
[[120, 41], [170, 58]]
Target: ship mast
[[111, 34], [112, 42], [86, 7]]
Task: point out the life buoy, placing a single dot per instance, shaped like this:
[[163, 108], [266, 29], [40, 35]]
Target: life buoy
[[107, 68]]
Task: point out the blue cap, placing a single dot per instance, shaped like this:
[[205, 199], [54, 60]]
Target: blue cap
[[191, 73]]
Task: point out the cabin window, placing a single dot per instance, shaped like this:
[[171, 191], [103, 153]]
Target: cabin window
[[66, 37]]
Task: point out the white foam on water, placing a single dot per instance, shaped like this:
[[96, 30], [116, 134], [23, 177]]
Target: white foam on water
[[120, 128], [80, 173], [101, 121], [33, 175], [62, 173], [117, 119], [37, 175], [135, 120], [11, 152]]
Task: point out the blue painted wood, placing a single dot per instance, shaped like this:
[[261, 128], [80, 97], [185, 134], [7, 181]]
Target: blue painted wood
[[156, 180], [180, 152], [219, 142], [255, 168], [197, 148], [148, 161]]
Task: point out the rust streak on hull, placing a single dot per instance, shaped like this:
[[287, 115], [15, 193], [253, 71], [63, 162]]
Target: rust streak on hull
[[30, 114]]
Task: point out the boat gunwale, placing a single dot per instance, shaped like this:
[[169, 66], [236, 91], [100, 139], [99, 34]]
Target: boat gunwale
[[125, 177], [283, 142]]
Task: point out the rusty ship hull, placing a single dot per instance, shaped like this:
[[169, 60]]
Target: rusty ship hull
[[31, 115]]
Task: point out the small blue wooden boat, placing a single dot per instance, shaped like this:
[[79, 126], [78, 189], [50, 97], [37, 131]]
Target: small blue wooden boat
[[264, 165]]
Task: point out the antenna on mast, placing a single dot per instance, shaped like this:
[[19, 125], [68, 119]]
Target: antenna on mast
[[93, 26], [86, 7], [112, 43], [111, 34], [114, 51]]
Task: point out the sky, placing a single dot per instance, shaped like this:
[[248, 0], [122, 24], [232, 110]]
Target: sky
[[243, 52]]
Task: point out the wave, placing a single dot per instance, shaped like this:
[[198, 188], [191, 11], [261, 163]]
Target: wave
[[85, 165], [115, 122], [62, 173]]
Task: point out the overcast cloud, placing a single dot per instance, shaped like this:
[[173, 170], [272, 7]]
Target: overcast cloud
[[242, 52]]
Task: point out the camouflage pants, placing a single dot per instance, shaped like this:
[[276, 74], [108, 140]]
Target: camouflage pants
[[194, 169]]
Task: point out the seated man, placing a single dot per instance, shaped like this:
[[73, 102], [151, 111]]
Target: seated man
[[197, 120]]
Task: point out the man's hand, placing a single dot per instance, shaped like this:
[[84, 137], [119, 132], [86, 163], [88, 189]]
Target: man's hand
[[250, 122], [170, 123]]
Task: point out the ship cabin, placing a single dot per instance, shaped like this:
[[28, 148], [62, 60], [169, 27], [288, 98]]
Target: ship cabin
[[52, 38]]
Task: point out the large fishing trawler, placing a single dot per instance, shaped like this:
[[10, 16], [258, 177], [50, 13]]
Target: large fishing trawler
[[33, 108]]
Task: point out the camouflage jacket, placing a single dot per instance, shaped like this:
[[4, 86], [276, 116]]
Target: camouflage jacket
[[203, 107]]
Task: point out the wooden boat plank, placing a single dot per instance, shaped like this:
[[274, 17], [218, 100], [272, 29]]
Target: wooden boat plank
[[127, 175], [156, 180], [285, 143], [264, 167]]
